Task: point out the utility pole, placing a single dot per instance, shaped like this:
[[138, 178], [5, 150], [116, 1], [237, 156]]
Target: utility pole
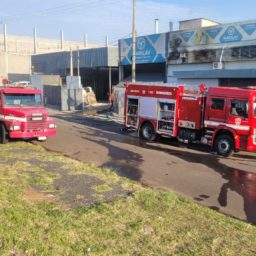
[[78, 61], [6, 50], [5, 37], [85, 41], [106, 41], [71, 62], [134, 43], [110, 81], [35, 46], [156, 26], [61, 39]]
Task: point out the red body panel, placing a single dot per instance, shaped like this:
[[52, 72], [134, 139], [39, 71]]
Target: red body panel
[[192, 111], [243, 128], [165, 97], [155, 91]]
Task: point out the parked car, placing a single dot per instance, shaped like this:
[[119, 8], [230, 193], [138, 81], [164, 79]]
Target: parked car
[[24, 83]]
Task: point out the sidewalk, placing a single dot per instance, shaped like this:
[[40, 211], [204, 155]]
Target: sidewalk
[[98, 111]]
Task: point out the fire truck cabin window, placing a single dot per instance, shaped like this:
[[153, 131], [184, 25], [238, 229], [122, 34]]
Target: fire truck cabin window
[[218, 104], [27, 100], [239, 108], [254, 107]]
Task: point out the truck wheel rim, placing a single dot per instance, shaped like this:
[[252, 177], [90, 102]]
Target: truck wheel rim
[[224, 146], [147, 132]]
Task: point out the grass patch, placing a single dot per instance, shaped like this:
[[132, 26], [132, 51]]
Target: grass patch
[[102, 188], [147, 222]]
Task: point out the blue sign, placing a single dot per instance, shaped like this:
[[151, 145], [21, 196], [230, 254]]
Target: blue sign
[[149, 49], [249, 28], [213, 32], [231, 35], [186, 36]]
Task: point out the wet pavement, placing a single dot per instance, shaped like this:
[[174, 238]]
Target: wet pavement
[[227, 185]]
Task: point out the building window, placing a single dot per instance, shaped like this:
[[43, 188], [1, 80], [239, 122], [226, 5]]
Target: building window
[[218, 104], [204, 56], [239, 108], [245, 52]]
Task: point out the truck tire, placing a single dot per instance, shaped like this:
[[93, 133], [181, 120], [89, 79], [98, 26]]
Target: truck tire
[[224, 145], [147, 132], [3, 134]]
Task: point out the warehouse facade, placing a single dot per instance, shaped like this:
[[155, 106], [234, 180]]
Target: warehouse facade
[[98, 67], [16, 51], [203, 51]]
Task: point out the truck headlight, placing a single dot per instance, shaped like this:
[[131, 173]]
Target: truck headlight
[[16, 128], [52, 126]]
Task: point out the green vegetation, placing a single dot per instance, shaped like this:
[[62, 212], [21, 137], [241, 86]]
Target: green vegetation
[[53, 205]]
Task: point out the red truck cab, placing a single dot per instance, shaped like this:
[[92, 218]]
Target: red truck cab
[[23, 115], [231, 114]]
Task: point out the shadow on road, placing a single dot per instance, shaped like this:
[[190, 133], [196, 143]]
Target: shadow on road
[[127, 163], [242, 182], [123, 161]]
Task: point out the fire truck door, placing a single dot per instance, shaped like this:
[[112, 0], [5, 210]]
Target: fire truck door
[[216, 110], [238, 112]]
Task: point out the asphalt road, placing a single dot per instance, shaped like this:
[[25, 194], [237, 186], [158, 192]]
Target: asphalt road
[[227, 185]]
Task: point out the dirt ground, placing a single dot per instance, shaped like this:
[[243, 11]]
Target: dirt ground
[[227, 185], [61, 184]]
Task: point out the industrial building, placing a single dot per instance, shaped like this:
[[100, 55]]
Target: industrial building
[[151, 54], [98, 67], [16, 51], [201, 51]]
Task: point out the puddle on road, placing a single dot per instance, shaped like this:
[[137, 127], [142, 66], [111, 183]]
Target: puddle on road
[[239, 181], [244, 184]]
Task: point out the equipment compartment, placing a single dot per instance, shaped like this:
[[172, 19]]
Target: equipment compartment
[[165, 119], [132, 112]]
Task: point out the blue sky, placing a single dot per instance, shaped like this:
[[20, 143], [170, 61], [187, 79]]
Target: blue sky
[[98, 18]]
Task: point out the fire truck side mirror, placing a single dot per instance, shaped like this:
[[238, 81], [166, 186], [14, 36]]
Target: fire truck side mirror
[[202, 88], [45, 100]]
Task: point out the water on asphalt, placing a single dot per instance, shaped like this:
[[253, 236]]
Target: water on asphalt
[[239, 181], [233, 174]]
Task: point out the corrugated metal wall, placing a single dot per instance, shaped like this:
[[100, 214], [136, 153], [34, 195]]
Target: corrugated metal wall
[[59, 62]]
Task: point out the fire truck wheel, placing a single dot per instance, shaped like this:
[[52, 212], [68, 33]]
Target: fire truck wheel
[[3, 134], [147, 132], [224, 145]]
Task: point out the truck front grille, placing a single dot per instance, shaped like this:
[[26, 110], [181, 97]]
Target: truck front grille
[[36, 123]]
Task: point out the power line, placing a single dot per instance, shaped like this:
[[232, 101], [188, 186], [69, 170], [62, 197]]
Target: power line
[[57, 10], [21, 14], [89, 4]]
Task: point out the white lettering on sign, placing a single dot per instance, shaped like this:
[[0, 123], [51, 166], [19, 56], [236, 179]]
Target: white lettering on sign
[[143, 53], [188, 98], [135, 91], [151, 92], [163, 93]]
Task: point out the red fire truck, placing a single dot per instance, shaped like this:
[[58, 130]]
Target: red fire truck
[[22, 114], [221, 117]]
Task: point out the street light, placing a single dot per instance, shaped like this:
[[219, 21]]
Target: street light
[[134, 43]]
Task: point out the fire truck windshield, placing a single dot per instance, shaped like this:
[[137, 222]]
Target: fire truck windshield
[[22, 100]]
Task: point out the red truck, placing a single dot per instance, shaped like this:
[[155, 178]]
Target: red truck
[[221, 117], [22, 114]]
